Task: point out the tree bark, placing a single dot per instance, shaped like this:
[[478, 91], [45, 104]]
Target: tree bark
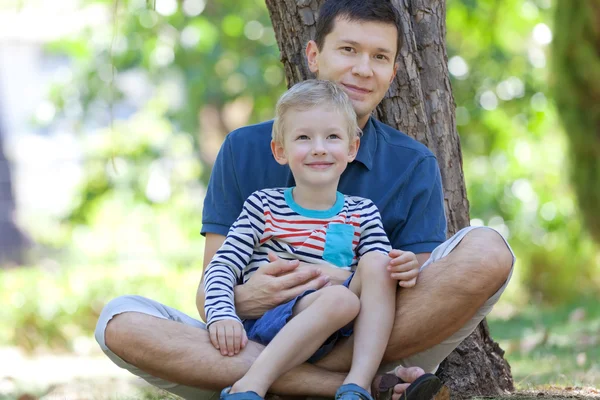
[[12, 241], [576, 81], [419, 103]]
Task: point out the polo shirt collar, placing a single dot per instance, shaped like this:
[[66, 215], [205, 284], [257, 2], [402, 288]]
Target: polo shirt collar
[[368, 144]]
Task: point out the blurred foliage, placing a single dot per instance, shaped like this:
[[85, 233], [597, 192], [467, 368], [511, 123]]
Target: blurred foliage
[[154, 88], [576, 76], [54, 307], [154, 95], [513, 147]]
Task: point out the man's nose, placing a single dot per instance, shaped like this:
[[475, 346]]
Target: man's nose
[[362, 67]]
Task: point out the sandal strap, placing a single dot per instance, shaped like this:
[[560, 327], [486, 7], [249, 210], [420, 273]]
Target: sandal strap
[[351, 389]]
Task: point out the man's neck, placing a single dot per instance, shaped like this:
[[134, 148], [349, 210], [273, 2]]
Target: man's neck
[[362, 122]]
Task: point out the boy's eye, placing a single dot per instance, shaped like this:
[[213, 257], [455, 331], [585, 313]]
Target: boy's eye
[[333, 136], [302, 137]]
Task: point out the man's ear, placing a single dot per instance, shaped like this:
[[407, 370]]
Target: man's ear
[[312, 53], [353, 149], [278, 152]]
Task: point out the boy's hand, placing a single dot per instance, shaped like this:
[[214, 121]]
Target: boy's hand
[[228, 336], [404, 267]]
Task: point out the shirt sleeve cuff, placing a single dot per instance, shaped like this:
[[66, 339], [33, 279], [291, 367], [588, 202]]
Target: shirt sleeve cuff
[[214, 228], [424, 247]]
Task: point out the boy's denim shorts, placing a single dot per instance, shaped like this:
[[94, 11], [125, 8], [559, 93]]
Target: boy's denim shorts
[[264, 329]]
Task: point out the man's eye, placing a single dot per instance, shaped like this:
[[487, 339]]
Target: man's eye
[[347, 48], [381, 57]]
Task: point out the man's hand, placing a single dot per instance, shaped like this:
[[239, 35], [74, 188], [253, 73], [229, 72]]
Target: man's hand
[[336, 275], [228, 336], [275, 283], [404, 267]]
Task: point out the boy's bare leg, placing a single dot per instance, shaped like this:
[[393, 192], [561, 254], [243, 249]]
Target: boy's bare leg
[[316, 317], [372, 328]]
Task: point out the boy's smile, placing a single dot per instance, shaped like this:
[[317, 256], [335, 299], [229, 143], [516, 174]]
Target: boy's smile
[[317, 148]]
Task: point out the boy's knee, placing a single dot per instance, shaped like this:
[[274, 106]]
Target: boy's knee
[[341, 300], [371, 272]]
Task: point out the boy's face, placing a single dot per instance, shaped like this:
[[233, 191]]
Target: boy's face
[[316, 146], [360, 57]]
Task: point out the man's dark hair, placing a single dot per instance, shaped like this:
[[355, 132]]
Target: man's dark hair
[[382, 11]]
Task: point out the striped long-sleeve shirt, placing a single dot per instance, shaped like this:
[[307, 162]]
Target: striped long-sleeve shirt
[[271, 221]]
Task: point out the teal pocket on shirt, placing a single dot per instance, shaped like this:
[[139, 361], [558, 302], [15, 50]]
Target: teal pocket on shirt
[[338, 245]]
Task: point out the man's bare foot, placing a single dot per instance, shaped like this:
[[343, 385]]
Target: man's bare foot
[[394, 385], [408, 375]]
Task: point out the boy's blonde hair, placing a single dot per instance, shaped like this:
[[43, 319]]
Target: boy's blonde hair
[[310, 94]]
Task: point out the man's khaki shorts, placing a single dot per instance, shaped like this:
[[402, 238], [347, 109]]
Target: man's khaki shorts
[[429, 359]]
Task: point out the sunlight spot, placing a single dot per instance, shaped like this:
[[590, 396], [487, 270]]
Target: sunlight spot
[[458, 67], [542, 34], [538, 101], [548, 211], [488, 100], [254, 30], [523, 151], [476, 222], [45, 112], [162, 55], [193, 8], [522, 190], [273, 75], [537, 58], [190, 36], [529, 10], [166, 7]]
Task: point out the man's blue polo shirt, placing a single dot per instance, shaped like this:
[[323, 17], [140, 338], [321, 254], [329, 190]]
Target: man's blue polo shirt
[[400, 175]]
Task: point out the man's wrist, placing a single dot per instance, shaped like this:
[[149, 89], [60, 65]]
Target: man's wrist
[[337, 276], [242, 300]]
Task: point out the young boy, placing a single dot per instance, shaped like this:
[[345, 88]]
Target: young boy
[[316, 133]]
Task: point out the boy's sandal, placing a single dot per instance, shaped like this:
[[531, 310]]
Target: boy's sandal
[[351, 391], [225, 395], [425, 387]]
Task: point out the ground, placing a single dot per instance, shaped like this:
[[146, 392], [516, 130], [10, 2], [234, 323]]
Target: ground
[[94, 377]]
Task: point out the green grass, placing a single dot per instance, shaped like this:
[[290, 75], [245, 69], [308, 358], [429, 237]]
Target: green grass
[[552, 346]]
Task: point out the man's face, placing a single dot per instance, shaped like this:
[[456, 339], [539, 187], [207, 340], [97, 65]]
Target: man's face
[[360, 57]]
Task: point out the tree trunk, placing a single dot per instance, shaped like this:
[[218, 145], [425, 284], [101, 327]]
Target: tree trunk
[[12, 241], [576, 70], [419, 103]]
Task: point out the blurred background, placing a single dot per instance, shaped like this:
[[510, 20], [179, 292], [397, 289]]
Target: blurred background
[[111, 115]]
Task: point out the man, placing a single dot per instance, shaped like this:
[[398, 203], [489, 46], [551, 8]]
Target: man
[[460, 280]]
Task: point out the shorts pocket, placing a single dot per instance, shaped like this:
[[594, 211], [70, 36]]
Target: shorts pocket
[[338, 245]]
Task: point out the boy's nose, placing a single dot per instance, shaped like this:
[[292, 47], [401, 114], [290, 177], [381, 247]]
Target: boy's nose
[[318, 147]]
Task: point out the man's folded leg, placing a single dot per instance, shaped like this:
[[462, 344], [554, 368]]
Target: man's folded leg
[[430, 359], [138, 304], [172, 351]]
